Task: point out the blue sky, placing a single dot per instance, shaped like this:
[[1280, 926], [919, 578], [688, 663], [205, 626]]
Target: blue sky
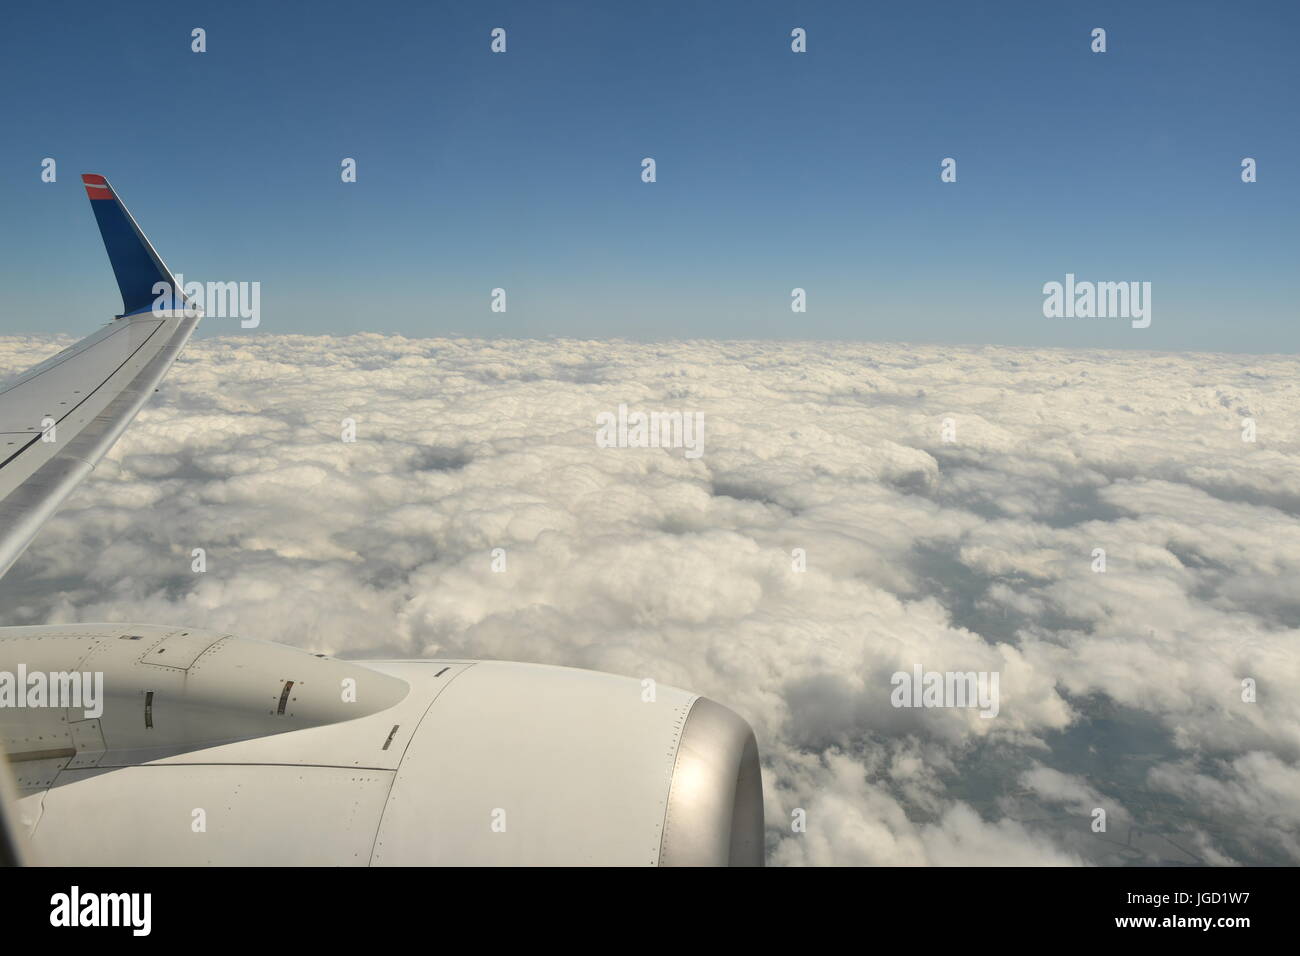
[[775, 170]]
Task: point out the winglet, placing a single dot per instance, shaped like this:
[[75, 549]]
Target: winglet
[[136, 263]]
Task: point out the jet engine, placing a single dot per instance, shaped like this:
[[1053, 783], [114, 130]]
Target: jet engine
[[146, 745]]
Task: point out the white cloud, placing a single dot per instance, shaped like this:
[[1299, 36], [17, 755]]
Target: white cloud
[[1120, 689]]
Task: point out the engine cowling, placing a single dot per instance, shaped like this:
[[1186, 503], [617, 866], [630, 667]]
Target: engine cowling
[[212, 749]]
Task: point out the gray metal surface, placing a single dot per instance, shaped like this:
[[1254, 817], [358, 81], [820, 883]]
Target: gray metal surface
[[11, 844], [715, 808], [37, 476]]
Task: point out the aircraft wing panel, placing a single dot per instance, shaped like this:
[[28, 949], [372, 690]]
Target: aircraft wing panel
[[86, 400]]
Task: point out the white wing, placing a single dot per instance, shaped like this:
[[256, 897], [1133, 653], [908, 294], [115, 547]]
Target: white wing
[[59, 418]]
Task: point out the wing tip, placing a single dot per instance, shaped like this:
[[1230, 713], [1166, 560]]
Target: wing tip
[[97, 186]]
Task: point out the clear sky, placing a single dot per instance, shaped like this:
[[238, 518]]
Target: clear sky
[[522, 170]]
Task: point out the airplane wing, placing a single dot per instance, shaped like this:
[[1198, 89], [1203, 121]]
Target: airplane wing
[[58, 419]]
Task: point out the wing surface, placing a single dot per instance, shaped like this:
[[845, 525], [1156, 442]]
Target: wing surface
[[59, 418]]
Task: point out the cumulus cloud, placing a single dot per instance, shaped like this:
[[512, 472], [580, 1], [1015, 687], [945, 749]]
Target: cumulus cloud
[[949, 504]]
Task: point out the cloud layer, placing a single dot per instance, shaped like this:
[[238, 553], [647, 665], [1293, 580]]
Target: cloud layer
[[948, 503]]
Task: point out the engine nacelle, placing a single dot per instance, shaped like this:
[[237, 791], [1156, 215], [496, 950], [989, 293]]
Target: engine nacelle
[[212, 750]]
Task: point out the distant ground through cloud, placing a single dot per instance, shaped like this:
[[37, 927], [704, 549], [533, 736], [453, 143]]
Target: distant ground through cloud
[[950, 504]]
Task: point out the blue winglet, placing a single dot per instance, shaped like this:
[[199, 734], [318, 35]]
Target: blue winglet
[[136, 264]]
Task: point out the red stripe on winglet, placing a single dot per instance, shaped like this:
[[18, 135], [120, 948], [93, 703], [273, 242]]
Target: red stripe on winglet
[[96, 186]]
